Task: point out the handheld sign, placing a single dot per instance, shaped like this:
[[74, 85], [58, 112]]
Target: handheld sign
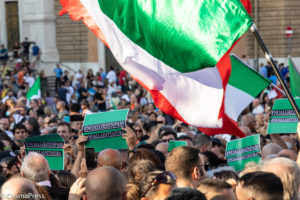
[[173, 144], [283, 118], [241, 151], [104, 130], [50, 146]]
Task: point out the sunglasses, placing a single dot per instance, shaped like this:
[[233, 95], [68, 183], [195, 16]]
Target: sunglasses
[[162, 178], [168, 140], [139, 131], [74, 137]]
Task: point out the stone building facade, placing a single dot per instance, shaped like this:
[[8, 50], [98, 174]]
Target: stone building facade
[[272, 17]]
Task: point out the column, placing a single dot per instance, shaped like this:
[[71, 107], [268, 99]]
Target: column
[[37, 22]]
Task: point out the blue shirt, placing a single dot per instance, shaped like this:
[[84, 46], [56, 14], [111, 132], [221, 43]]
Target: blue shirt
[[273, 79], [284, 72], [58, 72], [263, 71], [92, 91], [103, 76], [35, 50]]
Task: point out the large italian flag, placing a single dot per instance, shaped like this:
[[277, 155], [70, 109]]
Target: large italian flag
[[178, 50]]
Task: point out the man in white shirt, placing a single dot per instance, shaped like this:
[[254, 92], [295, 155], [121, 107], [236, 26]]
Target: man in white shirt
[[111, 75], [9, 95], [29, 80]]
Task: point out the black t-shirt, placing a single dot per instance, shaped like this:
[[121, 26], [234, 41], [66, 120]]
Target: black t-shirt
[[101, 106], [80, 90], [65, 78], [26, 46]]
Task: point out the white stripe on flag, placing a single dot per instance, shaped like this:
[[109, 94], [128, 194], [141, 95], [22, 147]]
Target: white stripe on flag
[[197, 96], [236, 101]]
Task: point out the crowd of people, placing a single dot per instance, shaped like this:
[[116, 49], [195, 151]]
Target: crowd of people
[[146, 170]]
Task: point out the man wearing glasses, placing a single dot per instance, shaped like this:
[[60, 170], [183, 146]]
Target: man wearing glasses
[[187, 165]]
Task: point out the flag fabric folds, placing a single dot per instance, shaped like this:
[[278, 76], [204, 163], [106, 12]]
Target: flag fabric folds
[[294, 78], [244, 85], [35, 91], [177, 50]]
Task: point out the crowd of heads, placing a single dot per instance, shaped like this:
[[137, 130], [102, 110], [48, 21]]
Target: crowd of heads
[[147, 169]]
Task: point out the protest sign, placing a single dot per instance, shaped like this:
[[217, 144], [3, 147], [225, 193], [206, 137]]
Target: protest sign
[[241, 151], [50, 146], [104, 130], [283, 118], [173, 144]]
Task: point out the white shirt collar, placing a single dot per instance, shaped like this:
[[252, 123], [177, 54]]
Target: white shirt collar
[[44, 183]]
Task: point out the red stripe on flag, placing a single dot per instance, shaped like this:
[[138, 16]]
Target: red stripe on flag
[[77, 12], [229, 127], [161, 102], [224, 68], [247, 5]]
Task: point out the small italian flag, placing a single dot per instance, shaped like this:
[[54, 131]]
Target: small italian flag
[[35, 91], [294, 78], [244, 85], [177, 50]]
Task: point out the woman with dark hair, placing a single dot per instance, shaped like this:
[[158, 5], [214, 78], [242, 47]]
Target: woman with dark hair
[[32, 126], [65, 179], [6, 142], [157, 185], [89, 76], [146, 154]]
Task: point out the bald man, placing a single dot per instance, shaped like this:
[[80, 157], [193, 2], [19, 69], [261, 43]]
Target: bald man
[[19, 186], [105, 183], [162, 147], [249, 121], [270, 149], [246, 130], [286, 153], [110, 157]]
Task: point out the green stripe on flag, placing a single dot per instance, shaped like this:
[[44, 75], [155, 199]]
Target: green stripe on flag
[[246, 79], [186, 35], [294, 78], [35, 90]]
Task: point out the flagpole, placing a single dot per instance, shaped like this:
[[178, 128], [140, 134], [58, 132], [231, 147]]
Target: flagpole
[[269, 58]]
